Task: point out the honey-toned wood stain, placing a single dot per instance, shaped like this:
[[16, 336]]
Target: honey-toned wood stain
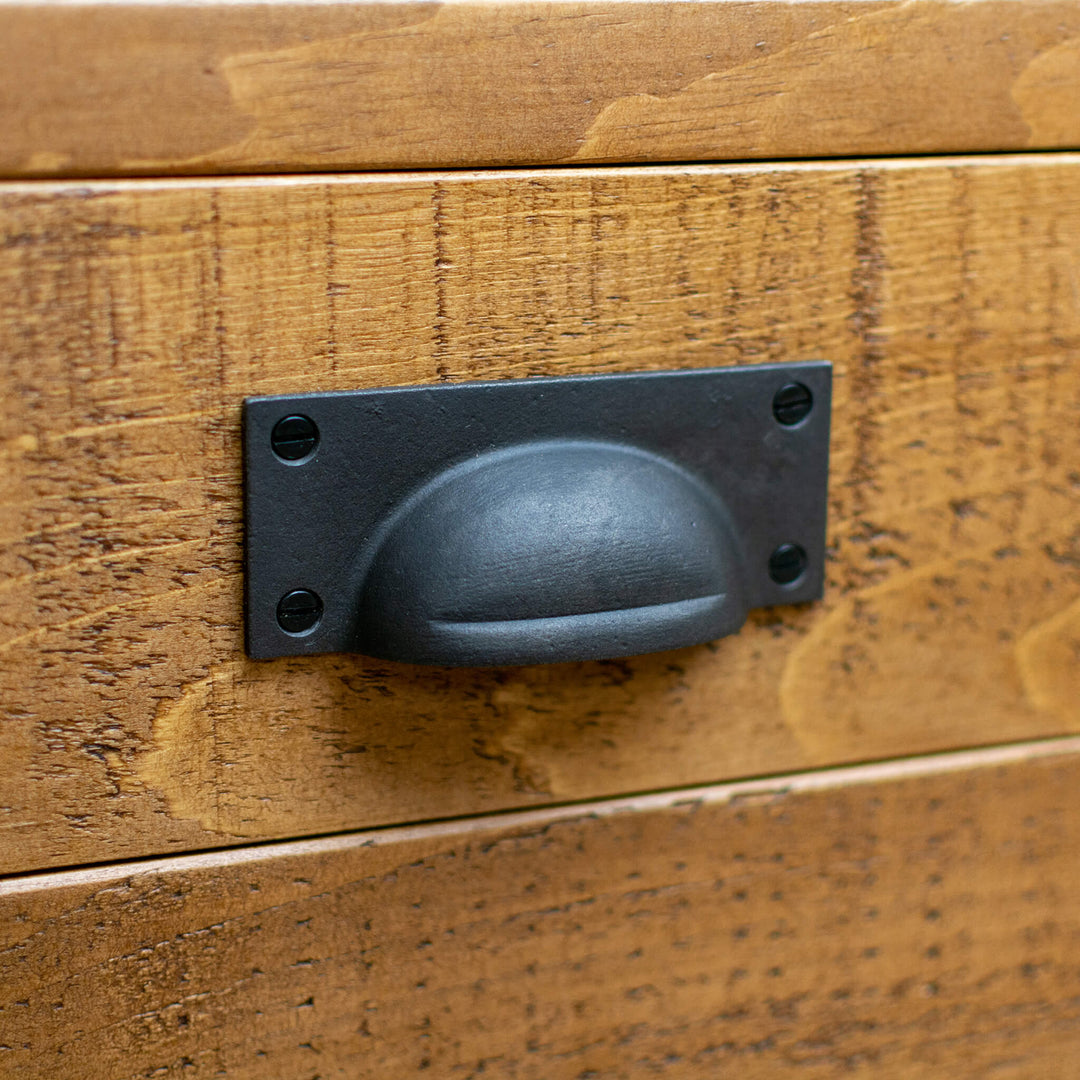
[[137, 315], [897, 922], [840, 842], [106, 87]]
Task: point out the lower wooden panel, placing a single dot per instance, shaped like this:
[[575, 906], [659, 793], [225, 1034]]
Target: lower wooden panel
[[912, 920], [135, 317]]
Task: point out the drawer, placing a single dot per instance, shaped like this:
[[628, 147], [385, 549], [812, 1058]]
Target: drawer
[[897, 920], [137, 315], [839, 841]]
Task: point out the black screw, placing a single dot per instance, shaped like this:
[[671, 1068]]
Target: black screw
[[294, 437], [298, 611], [792, 403], [787, 564]]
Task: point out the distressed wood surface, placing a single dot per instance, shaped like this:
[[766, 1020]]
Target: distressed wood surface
[[912, 921], [115, 88], [136, 316]]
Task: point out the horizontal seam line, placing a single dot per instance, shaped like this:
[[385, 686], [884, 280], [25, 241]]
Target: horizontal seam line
[[807, 780], [360, 170]]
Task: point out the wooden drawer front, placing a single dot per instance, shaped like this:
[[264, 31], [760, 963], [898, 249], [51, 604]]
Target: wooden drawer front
[[894, 921], [121, 87], [138, 315]]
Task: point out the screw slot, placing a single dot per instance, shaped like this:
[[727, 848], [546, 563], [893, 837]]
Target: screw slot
[[299, 611], [787, 564], [792, 403], [294, 437]]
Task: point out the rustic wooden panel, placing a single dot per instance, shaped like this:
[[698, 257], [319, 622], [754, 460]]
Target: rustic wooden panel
[[913, 921], [135, 317], [108, 87]]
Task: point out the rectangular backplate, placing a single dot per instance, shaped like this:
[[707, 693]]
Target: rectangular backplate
[[307, 520]]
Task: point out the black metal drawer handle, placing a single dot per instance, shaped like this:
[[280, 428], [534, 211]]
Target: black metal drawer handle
[[534, 521]]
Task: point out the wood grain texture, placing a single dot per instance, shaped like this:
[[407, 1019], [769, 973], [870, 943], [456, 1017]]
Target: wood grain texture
[[915, 921], [137, 316], [115, 88]]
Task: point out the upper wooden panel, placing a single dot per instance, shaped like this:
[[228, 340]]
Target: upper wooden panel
[[105, 88], [135, 317], [900, 923]]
